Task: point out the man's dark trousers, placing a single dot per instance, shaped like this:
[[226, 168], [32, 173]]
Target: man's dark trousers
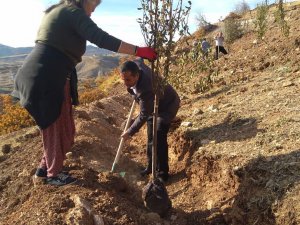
[[162, 145]]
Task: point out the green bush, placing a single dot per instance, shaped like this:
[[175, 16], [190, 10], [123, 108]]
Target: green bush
[[232, 30], [241, 7], [260, 21], [279, 15], [193, 68]]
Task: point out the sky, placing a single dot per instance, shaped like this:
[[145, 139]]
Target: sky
[[20, 19]]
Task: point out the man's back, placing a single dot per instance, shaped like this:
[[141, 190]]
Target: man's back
[[205, 46]]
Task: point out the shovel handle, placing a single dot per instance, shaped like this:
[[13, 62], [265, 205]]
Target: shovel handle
[[154, 143], [122, 139]]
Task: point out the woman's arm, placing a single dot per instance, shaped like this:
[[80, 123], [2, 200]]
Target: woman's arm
[[127, 48], [143, 52]]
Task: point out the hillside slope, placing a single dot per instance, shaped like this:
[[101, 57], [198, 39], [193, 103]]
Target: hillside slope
[[237, 162]]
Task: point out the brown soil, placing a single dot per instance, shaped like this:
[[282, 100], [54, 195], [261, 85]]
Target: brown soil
[[238, 162]]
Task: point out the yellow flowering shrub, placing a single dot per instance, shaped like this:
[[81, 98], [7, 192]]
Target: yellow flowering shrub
[[107, 82], [103, 85], [13, 117], [90, 95]]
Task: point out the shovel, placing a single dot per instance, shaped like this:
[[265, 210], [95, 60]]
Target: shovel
[[122, 141]]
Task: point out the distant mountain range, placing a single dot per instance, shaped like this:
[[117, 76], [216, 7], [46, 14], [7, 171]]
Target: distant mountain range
[[95, 62], [7, 51], [10, 51]]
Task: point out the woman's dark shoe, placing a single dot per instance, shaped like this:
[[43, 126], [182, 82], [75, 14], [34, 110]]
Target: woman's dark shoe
[[40, 176], [41, 172], [61, 179]]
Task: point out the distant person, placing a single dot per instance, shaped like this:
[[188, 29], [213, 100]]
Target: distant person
[[46, 84], [196, 49], [138, 79], [195, 43], [220, 45], [205, 48]]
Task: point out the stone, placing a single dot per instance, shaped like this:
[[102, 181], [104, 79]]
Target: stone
[[186, 124], [209, 204], [205, 141], [213, 108], [200, 150], [69, 155], [79, 215], [279, 79], [227, 105], [83, 213], [288, 84], [81, 114], [24, 173], [6, 149], [197, 112]]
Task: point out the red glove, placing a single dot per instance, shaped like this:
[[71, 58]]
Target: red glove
[[146, 52]]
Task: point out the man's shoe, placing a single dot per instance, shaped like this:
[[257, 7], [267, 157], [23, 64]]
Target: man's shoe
[[61, 179], [163, 176], [146, 172]]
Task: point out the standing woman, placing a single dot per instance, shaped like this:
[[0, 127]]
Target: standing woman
[[46, 84], [220, 45]]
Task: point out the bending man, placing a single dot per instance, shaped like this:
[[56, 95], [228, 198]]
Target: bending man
[[138, 80]]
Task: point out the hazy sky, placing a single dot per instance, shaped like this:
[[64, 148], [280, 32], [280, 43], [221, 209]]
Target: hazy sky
[[20, 19]]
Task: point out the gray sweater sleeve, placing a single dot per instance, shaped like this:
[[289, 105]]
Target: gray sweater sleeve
[[89, 30]]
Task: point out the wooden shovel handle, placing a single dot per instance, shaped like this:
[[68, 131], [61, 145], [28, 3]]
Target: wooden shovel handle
[[122, 139]]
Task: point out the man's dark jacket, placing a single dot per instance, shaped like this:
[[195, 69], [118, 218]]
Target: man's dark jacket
[[168, 102]]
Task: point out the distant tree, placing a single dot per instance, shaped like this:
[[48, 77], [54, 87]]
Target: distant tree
[[162, 21], [241, 7], [201, 20], [260, 21], [232, 29], [279, 15]]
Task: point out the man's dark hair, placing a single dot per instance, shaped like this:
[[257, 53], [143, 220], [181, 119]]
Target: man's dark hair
[[131, 67]]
